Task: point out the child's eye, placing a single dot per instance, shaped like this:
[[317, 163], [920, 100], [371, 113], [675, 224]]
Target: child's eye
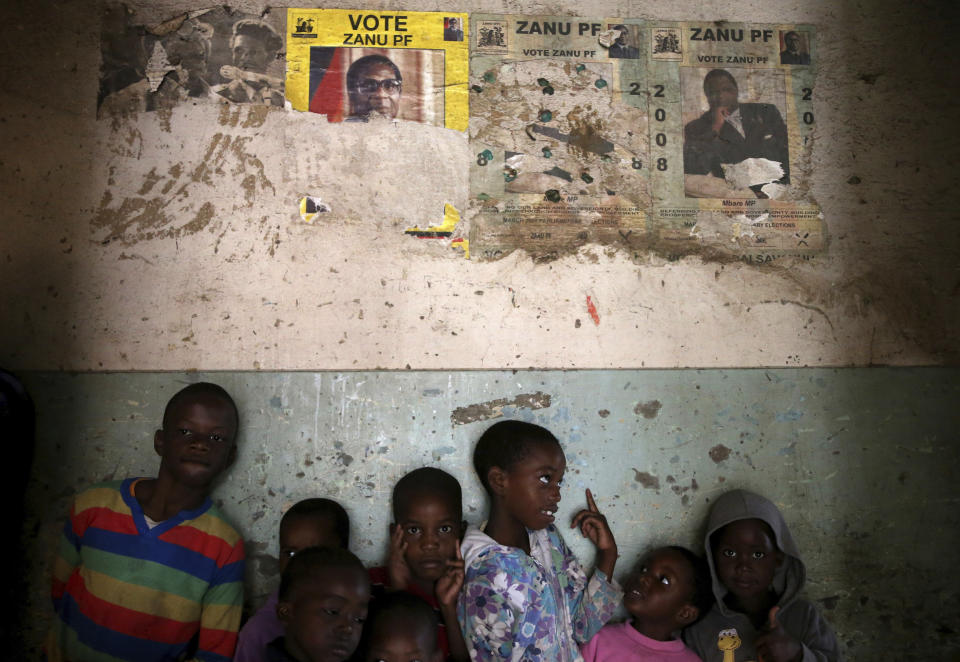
[[184, 431], [545, 479], [446, 528], [413, 530], [664, 580], [560, 483], [330, 611], [289, 553], [759, 555], [729, 553], [216, 437]]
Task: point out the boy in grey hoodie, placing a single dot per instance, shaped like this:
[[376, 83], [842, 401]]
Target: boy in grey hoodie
[[757, 576]]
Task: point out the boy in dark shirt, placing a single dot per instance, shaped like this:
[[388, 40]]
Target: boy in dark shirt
[[308, 523], [757, 577], [323, 600], [425, 550], [401, 627]]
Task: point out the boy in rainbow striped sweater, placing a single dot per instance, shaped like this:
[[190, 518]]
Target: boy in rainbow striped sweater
[[148, 568]]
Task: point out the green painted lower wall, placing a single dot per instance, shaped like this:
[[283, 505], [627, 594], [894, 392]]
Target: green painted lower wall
[[862, 462]]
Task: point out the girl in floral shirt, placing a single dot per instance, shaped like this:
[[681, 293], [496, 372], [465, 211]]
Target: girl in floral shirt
[[525, 597]]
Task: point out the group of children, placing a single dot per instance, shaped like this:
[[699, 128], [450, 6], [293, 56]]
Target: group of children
[[148, 569]]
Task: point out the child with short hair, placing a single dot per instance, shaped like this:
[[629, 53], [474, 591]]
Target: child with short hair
[[666, 591], [400, 627], [757, 575], [147, 564], [525, 595], [425, 555], [323, 599], [308, 523]]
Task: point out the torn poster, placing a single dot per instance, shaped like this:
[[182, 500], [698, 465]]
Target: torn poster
[[214, 55], [558, 133], [363, 65], [732, 121]]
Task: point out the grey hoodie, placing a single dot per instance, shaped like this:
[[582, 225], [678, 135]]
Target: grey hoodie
[[725, 635]]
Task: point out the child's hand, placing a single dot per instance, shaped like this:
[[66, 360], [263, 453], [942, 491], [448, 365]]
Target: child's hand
[[594, 526], [447, 588], [397, 567], [776, 644]]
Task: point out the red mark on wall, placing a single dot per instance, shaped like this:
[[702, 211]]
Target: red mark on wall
[[593, 311]]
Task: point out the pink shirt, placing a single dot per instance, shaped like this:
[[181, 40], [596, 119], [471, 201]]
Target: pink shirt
[[621, 643]]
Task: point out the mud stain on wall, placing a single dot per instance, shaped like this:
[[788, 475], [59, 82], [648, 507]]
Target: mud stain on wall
[[646, 479], [719, 453], [648, 409], [179, 208]]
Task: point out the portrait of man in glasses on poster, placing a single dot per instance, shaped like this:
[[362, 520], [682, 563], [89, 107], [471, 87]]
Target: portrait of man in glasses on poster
[[374, 86]]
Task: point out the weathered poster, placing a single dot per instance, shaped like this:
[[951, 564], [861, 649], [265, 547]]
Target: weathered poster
[[686, 137], [558, 133], [362, 65], [731, 116], [212, 54]]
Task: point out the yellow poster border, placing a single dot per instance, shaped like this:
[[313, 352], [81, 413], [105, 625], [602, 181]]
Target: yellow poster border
[[362, 28]]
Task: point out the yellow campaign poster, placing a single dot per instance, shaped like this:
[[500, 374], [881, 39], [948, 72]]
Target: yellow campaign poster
[[357, 65]]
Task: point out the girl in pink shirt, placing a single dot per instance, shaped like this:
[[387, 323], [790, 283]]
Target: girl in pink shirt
[[667, 591]]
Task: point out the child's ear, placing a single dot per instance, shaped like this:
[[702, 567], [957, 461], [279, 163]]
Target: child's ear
[[284, 610], [158, 442], [688, 614], [497, 480]]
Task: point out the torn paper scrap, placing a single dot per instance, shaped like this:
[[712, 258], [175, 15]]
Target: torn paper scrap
[[773, 190], [450, 219], [462, 244], [751, 172], [310, 206], [607, 37]]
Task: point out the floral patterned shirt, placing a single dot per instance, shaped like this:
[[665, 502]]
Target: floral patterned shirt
[[530, 608]]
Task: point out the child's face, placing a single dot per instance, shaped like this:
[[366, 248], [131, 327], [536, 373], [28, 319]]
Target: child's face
[[746, 558], [198, 440], [324, 616], [398, 640], [431, 530], [532, 485], [659, 588], [302, 531]]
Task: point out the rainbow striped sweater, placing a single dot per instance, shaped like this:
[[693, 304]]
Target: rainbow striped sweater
[[124, 591]]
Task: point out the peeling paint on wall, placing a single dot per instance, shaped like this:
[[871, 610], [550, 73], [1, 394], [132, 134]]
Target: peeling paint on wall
[[484, 411]]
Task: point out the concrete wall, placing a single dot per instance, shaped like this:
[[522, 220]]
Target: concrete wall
[[169, 241], [862, 462]]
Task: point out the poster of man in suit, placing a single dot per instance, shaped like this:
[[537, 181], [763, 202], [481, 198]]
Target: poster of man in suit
[[732, 130]]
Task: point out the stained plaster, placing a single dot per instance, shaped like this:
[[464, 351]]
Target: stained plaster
[[172, 239]]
